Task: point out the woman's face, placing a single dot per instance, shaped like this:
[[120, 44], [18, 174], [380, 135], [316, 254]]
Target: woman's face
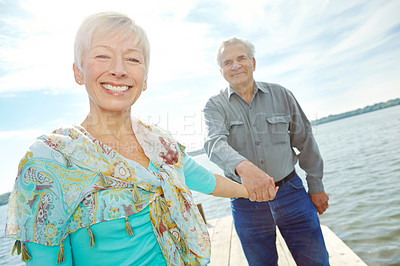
[[113, 72]]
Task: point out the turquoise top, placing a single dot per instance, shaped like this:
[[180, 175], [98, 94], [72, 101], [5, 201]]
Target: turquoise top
[[113, 245]]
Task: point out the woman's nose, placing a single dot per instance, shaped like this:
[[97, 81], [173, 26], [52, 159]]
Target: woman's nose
[[118, 68]]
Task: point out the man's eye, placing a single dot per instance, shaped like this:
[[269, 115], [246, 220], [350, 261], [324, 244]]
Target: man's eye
[[102, 56], [227, 63]]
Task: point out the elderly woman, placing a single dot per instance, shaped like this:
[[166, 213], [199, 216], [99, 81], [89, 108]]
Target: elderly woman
[[112, 190]]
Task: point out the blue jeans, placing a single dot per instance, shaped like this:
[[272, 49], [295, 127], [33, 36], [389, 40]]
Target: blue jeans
[[296, 217]]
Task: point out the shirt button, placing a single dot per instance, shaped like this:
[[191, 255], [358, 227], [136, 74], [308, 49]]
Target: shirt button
[[257, 143], [262, 162]]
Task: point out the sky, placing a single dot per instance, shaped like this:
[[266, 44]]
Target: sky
[[335, 56]]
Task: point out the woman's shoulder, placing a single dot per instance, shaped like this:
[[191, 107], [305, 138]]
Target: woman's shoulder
[[43, 147]]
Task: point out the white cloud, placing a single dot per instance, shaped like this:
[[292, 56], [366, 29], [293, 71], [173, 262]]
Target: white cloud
[[245, 14], [44, 56], [371, 32], [30, 134]]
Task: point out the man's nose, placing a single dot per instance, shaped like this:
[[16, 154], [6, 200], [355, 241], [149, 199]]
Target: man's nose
[[235, 65]]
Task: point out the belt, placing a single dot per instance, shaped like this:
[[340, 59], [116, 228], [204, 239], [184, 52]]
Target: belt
[[286, 179]]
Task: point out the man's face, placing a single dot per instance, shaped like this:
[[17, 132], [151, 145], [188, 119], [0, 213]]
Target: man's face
[[237, 68]]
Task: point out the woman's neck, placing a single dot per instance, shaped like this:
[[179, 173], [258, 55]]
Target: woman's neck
[[108, 124]]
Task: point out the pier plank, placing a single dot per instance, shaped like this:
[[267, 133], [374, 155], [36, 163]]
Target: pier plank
[[226, 249], [339, 252], [237, 255], [221, 241]]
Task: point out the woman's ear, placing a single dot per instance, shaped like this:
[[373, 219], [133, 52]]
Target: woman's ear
[[144, 85], [78, 75]]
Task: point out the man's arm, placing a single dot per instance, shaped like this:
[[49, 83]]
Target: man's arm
[[310, 159], [261, 187]]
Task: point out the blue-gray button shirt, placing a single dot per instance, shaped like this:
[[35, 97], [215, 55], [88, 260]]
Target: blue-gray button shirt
[[272, 132]]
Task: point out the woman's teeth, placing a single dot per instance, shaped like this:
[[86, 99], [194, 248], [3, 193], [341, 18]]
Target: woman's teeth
[[116, 88]]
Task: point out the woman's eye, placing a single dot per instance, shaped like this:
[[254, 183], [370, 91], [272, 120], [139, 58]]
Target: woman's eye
[[133, 60]]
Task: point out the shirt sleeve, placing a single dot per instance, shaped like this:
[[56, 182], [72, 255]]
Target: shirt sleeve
[[198, 177], [302, 139], [47, 255], [216, 144]]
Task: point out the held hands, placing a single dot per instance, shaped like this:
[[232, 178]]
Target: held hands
[[261, 187]]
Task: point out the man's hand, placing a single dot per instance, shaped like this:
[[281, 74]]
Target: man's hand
[[320, 201], [261, 187]]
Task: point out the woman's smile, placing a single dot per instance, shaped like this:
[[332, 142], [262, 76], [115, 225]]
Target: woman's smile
[[115, 88]]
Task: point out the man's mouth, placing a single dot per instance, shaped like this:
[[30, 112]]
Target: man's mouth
[[237, 74]]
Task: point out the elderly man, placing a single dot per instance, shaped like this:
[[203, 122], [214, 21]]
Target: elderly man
[[257, 132]]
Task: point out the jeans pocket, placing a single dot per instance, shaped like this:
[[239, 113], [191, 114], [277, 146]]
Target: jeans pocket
[[296, 183]]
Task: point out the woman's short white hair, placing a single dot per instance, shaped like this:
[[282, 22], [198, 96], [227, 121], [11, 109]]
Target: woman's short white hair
[[250, 49], [109, 23]]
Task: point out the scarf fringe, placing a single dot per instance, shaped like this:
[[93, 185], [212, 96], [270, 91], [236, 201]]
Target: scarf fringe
[[25, 254], [128, 226], [16, 248], [136, 194], [60, 257], [91, 236]]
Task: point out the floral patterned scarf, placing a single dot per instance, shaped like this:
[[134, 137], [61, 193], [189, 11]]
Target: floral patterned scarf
[[55, 193]]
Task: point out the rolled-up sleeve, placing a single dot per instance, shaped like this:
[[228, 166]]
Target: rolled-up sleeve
[[216, 143], [198, 177]]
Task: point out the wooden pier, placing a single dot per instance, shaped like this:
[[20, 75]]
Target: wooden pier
[[226, 249]]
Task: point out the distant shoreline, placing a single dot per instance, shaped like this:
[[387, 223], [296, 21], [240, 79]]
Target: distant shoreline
[[359, 111]]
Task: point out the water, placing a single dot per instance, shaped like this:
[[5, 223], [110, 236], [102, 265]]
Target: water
[[361, 176], [6, 244]]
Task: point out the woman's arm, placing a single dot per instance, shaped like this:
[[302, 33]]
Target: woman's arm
[[227, 188], [203, 180]]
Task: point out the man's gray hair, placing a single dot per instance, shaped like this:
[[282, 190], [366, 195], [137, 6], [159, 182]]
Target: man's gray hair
[[111, 23], [250, 49]]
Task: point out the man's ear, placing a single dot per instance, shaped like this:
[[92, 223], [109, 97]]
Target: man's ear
[[78, 75], [254, 64]]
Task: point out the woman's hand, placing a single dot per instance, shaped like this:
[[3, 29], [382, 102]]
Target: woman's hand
[[261, 187], [227, 188]]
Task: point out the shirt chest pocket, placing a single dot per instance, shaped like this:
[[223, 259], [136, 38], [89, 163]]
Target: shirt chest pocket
[[278, 128]]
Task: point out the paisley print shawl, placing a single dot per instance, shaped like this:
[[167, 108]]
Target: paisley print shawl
[[69, 180]]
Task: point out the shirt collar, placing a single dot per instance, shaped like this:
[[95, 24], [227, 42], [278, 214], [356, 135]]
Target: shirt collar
[[256, 89], [261, 88]]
